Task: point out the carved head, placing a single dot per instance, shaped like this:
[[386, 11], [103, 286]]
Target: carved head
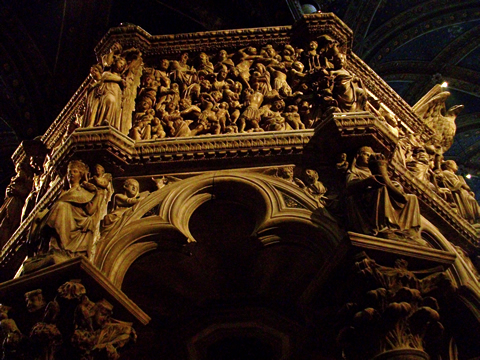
[[363, 155], [99, 170], [116, 48], [119, 65], [4, 309], [270, 51], [164, 64], [216, 96], [297, 65], [131, 187], [222, 55], [450, 165], [96, 72], [147, 79], [171, 106], [145, 103], [184, 58], [35, 300], [203, 58], [292, 108], [184, 104], [251, 50], [76, 172], [205, 85], [313, 45], [338, 60], [285, 173], [102, 312], [288, 50], [222, 72], [420, 154], [311, 176], [278, 105], [223, 105]]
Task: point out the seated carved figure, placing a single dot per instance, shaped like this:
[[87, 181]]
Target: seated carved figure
[[122, 202], [463, 196], [377, 206], [68, 228]]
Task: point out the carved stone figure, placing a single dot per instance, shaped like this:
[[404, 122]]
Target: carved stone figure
[[251, 116], [432, 111], [272, 118], [463, 196], [37, 152], [312, 186], [183, 74], [93, 96], [292, 117], [12, 336], [342, 164], [376, 205], [16, 193], [34, 300], [347, 88], [109, 93], [68, 228], [247, 57], [109, 58], [123, 201], [419, 165]]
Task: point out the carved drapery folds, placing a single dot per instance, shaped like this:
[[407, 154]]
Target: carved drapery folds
[[375, 204], [68, 326], [71, 226], [252, 89], [110, 97]]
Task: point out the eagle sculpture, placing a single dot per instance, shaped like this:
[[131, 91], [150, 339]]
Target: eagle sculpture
[[432, 111]]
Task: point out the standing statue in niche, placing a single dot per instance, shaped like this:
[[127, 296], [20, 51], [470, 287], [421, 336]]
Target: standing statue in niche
[[93, 96], [111, 100], [69, 227], [376, 205], [16, 193], [109, 94]]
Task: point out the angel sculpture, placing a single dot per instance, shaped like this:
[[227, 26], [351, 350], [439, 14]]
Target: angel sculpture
[[432, 111]]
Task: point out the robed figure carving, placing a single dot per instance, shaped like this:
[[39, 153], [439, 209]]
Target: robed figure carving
[[376, 205], [464, 198], [69, 227]]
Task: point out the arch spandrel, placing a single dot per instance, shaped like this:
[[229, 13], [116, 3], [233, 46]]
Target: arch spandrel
[[259, 193]]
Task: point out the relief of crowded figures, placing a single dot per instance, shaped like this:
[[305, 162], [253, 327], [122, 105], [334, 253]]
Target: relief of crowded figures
[[254, 89]]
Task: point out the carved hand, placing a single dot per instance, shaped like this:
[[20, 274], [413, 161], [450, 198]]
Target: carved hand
[[89, 186]]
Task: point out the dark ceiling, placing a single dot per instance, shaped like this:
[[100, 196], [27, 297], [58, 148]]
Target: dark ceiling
[[46, 50]]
